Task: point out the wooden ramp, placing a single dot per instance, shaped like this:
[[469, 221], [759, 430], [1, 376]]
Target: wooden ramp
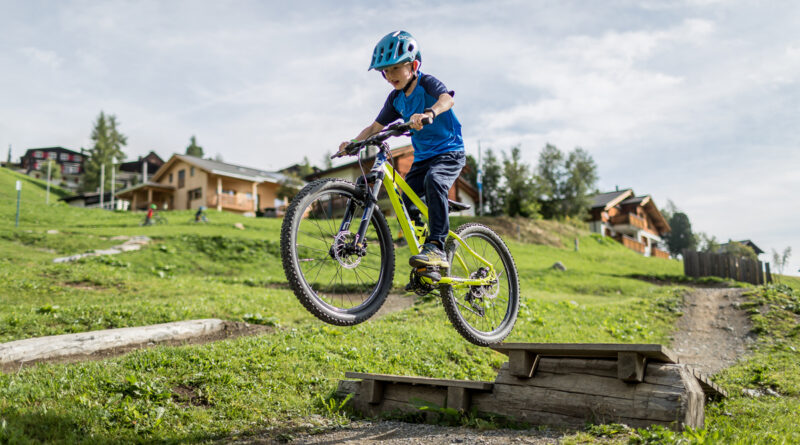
[[567, 384]]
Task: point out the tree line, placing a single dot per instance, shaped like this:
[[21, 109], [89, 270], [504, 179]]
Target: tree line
[[558, 186]]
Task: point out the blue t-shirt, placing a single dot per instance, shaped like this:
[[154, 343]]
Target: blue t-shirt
[[443, 135]]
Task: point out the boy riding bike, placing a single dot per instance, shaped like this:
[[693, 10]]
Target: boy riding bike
[[438, 147], [336, 245]]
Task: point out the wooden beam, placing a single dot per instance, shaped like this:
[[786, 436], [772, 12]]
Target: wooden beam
[[630, 367], [481, 386], [654, 352], [458, 398], [522, 363], [372, 391]]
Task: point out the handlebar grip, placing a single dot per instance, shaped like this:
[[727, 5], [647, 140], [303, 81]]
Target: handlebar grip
[[427, 121]]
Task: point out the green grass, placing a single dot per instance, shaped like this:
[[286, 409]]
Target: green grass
[[277, 383]]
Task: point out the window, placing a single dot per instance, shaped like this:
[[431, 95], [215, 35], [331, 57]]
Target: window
[[38, 154], [181, 178], [195, 194], [72, 169], [191, 171], [64, 156], [76, 158], [170, 178]]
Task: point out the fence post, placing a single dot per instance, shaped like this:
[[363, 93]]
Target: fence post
[[769, 275], [760, 272], [731, 267]]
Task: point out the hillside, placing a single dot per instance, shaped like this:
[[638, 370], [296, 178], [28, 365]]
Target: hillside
[[272, 383]]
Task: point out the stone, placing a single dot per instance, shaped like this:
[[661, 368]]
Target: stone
[[558, 265], [239, 226]]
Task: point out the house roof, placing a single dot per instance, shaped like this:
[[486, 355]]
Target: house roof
[[60, 149], [747, 243], [146, 185], [752, 245], [223, 169], [136, 166], [608, 200]]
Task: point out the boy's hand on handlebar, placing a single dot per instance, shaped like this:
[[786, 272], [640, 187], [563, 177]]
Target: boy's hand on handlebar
[[417, 121]]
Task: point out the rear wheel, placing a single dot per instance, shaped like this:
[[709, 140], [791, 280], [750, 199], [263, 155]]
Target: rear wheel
[[336, 279], [484, 315]]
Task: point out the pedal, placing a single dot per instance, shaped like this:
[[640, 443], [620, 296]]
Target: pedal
[[431, 272]]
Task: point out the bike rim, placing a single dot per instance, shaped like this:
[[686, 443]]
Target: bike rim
[[341, 282], [485, 310]]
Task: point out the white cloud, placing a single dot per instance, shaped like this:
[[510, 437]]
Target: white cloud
[[42, 56]]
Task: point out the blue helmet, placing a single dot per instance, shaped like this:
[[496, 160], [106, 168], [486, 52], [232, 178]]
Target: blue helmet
[[396, 47]]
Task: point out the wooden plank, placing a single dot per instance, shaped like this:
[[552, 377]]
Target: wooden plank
[[653, 352], [630, 367], [407, 393], [476, 385], [511, 400], [769, 273], [603, 367]]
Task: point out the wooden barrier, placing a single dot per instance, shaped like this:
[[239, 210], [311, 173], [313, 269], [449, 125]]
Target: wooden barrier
[[558, 385], [723, 265]]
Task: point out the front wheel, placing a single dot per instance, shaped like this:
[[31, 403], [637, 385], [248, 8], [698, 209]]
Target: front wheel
[[336, 278], [484, 315]]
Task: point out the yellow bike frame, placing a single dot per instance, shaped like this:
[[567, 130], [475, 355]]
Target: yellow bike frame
[[391, 182]]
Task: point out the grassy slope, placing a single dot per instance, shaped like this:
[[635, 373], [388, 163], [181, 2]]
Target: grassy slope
[[247, 385]]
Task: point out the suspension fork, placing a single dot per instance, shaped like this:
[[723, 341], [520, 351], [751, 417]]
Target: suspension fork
[[370, 202]]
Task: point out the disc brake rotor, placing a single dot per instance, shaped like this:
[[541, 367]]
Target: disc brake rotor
[[342, 250]]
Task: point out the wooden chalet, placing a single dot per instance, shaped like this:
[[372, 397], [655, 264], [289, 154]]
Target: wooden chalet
[[188, 182], [402, 158], [70, 162], [634, 221]]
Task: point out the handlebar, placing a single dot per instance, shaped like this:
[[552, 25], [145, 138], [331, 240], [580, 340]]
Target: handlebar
[[399, 129]]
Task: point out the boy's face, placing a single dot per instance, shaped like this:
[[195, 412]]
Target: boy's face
[[399, 75]]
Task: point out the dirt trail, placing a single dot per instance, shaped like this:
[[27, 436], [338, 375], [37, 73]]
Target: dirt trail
[[713, 332]]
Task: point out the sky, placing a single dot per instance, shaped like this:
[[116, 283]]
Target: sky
[[694, 101]]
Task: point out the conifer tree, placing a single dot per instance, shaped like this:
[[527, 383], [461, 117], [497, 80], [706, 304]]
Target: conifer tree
[[193, 149], [107, 150]]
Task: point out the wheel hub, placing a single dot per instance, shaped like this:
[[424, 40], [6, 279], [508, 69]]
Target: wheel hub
[[345, 250]]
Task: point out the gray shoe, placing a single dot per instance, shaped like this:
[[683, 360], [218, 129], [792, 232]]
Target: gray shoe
[[430, 255]]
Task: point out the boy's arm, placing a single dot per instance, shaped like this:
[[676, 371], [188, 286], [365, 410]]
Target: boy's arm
[[365, 133], [444, 103]]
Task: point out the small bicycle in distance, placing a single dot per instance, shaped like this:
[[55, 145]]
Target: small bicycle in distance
[[339, 257]]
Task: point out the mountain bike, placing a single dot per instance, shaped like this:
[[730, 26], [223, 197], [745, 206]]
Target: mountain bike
[[339, 257]]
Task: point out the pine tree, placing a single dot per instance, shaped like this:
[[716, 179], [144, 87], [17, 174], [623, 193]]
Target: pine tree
[[107, 150], [193, 149]]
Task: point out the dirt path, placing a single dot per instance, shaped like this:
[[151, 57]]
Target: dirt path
[[713, 332]]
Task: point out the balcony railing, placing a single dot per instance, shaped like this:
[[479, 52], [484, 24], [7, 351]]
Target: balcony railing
[[232, 202], [632, 244], [629, 219], [658, 253]]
